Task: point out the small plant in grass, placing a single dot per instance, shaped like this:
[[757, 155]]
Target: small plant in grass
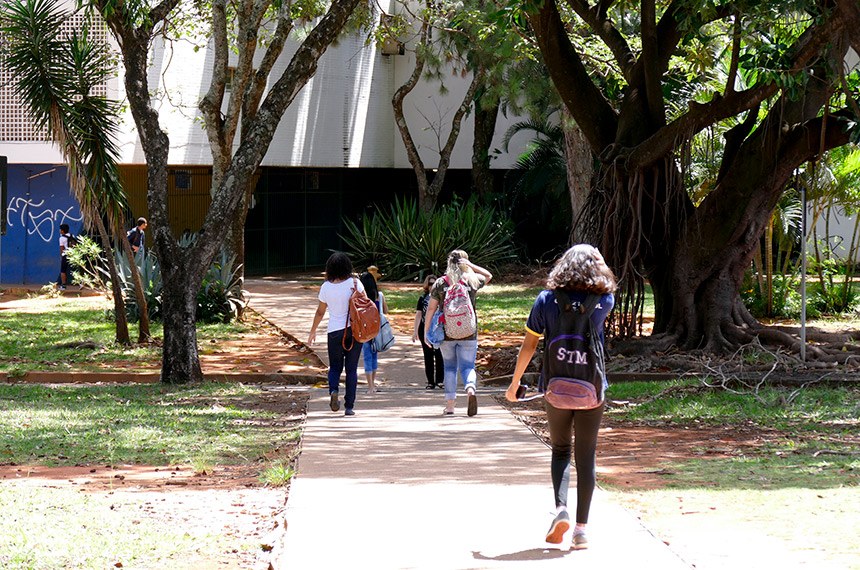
[[277, 474], [202, 466]]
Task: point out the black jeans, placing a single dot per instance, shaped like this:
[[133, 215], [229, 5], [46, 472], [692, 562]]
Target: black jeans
[[581, 427], [338, 358], [433, 367]]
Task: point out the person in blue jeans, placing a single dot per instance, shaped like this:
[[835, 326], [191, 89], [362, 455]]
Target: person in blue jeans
[[343, 349], [370, 357], [458, 355], [579, 272]]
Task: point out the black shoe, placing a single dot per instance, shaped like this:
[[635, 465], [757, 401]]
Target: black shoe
[[430, 387], [333, 403], [440, 384]]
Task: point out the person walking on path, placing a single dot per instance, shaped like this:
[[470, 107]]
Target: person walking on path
[[343, 349], [458, 354], [370, 279], [433, 366], [65, 270], [137, 236], [580, 272]]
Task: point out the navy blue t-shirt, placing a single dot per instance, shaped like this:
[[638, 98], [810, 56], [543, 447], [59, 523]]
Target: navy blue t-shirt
[[545, 312]]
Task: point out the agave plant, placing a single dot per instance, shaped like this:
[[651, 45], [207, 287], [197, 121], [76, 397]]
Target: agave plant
[[222, 297], [409, 243]]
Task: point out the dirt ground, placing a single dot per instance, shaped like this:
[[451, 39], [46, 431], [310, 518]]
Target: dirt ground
[[237, 503]]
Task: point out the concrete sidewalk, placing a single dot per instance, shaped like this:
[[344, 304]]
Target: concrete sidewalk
[[399, 486]]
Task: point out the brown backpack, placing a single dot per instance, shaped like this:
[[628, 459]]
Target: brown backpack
[[363, 317]]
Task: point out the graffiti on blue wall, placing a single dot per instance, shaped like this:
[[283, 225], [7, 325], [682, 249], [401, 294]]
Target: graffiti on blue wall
[[39, 201]]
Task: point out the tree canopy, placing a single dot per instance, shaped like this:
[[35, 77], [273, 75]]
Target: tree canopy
[[647, 82]]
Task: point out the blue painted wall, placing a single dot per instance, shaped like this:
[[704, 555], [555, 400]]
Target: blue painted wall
[[39, 201]]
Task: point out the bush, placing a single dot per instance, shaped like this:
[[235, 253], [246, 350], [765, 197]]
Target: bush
[[408, 244], [786, 297], [221, 297]]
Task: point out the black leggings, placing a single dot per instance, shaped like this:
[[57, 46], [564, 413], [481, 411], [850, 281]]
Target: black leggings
[[563, 426], [433, 366]]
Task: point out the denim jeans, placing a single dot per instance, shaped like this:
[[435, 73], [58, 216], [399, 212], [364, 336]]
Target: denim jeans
[[575, 429], [370, 357], [459, 356], [337, 359]]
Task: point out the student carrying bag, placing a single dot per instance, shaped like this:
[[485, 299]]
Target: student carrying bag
[[363, 320], [573, 367]]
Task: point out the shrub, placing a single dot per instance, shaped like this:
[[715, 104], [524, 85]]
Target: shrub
[[408, 244], [221, 297]]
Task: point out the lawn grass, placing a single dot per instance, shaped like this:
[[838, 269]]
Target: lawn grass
[[501, 308], [792, 527], [47, 527], [75, 335], [816, 419], [146, 424]]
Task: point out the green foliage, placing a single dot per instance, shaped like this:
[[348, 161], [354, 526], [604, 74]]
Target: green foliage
[[150, 276], [836, 299], [278, 474], [221, 297], [86, 261], [786, 297], [406, 243], [536, 196]]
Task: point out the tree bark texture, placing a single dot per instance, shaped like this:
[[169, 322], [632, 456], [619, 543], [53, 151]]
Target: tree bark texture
[[639, 212], [580, 170], [486, 116]]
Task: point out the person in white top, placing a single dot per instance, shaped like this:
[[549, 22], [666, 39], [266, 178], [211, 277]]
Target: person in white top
[[334, 297], [65, 271]]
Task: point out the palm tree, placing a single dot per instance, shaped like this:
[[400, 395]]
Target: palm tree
[[55, 76]]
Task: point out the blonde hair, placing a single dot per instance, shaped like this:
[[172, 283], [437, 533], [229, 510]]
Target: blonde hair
[[582, 268], [457, 270]]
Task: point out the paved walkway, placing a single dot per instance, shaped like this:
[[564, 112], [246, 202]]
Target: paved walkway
[[399, 486]]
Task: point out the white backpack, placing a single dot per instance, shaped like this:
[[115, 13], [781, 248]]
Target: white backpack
[[457, 310]]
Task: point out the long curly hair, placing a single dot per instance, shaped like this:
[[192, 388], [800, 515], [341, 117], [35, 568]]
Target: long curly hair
[[582, 268]]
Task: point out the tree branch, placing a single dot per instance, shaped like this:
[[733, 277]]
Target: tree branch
[[589, 108], [651, 64], [701, 115], [598, 22], [736, 49], [849, 11]]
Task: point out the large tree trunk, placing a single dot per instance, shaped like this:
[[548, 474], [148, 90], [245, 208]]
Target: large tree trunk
[[485, 127], [180, 362], [580, 169]]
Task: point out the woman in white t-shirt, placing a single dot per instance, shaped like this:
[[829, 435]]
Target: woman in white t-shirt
[[334, 297]]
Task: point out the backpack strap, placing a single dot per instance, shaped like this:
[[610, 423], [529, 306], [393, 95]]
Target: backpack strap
[[348, 326]]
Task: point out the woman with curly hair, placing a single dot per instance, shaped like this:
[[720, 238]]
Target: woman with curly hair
[[334, 297], [580, 273], [458, 354]]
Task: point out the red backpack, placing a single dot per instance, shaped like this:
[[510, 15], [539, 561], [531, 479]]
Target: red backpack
[[363, 317]]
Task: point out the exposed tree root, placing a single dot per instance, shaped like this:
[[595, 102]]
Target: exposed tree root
[[754, 342]]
